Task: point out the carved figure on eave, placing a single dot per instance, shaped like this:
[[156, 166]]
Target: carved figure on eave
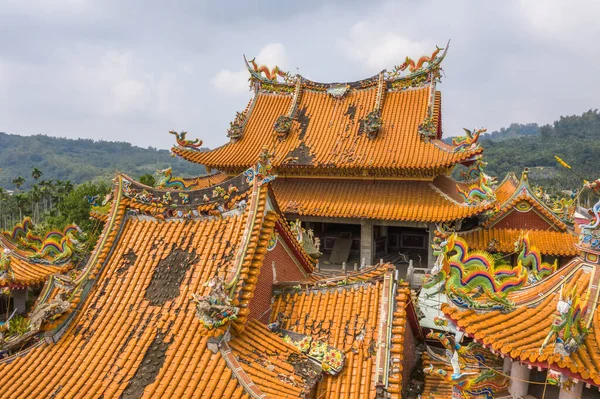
[[48, 311], [6, 271], [462, 143], [567, 328], [236, 128], [183, 142], [215, 309]]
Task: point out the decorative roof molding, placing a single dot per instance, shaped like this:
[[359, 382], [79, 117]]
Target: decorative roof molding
[[274, 79]]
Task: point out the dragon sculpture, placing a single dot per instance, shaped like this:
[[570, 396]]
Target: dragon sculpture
[[479, 191], [35, 242], [474, 171], [20, 230], [529, 256], [414, 67], [461, 143], [472, 279], [564, 208], [270, 74], [6, 272], [167, 180], [467, 385], [183, 142], [57, 252], [567, 328]]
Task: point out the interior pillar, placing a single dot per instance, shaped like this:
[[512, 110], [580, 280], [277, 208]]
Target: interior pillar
[[519, 377], [430, 258], [20, 300], [366, 242], [507, 365]]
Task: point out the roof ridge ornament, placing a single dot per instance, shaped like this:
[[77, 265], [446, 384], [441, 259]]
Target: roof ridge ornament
[[433, 62], [183, 142], [271, 75], [469, 141]]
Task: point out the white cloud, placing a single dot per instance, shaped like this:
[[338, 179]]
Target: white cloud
[[229, 82], [376, 50], [236, 82]]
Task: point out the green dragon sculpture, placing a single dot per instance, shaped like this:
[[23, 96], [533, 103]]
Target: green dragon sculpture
[[531, 257], [472, 279], [185, 143]]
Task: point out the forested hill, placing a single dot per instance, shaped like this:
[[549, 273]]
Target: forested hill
[[576, 139], [80, 160]]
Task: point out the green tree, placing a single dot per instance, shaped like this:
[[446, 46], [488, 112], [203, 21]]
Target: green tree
[[36, 173], [18, 182], [148, 180], [73, 208]]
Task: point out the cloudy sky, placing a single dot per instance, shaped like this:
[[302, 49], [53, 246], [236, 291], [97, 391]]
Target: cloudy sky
[[131, 70]]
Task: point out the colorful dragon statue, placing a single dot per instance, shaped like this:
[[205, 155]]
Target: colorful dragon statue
[[57, 252], [461, 143], [270, 74], [414, 67], [20, 230], [35, 242], [167, 180], [479, 191], [564, 208], [530, 256], [467, 385], [474, 171], [472, 279], [567, 327], [183, 142]]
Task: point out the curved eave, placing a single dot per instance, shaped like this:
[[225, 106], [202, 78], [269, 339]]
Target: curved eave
[[447, 158]]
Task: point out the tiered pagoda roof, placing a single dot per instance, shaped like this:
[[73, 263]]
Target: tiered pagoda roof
[[136, 322], [418, 201], [386, 125]]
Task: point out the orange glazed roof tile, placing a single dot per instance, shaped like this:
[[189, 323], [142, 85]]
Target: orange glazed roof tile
[[386, 200], [550, 242], [506, 188], [327, 129], [137, 333], [349, 311], [519, 333]]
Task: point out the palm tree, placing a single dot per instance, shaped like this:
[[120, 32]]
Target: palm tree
[[36, 173], [18, 182]]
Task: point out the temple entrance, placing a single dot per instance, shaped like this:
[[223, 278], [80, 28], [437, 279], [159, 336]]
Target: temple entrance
[[340, 244], [356, 245]]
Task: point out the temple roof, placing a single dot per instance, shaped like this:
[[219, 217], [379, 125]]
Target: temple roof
[[24, 271], [137, 333], [326, 126], [550, 242], [352, 312], [418, 201], [521, 332]]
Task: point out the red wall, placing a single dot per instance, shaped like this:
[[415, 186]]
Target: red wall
[[523, 220], [287, 270]]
